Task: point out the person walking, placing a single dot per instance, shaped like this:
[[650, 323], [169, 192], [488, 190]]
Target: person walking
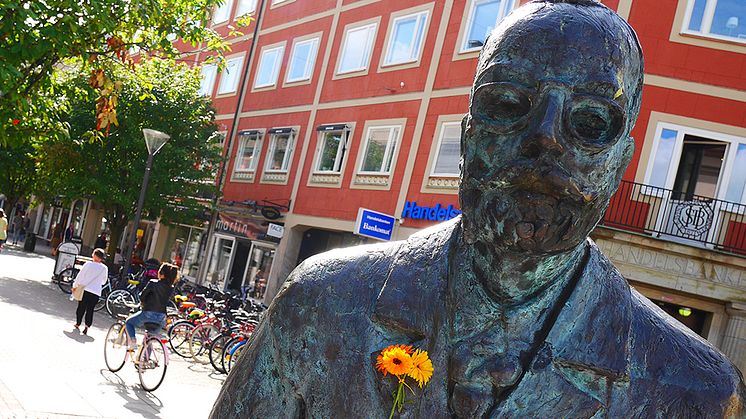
[[3, 228], [92, 277], [101, 241], [17, 226]]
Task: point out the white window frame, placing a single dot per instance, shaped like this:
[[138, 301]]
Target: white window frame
[[731, 142], [463, 40], [442, 131], [242, 140], [310, 63], [422, 22], [242, 9], [223, 87], [275, 69], [389, 154], [277, 3], [706, 25], [225, 10], [209, 86], [287, 160], [372, 26], [342, 151]]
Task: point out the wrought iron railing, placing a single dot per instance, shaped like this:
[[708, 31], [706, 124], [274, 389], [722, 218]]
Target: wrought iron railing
[[680, 217]]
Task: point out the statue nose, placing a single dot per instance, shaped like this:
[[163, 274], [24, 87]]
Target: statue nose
[[544, 137]]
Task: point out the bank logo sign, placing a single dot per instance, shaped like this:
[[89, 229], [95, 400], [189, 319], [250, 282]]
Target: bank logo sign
[[436, 213], [374, 224]]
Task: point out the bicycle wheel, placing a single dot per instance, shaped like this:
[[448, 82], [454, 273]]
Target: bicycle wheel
[[237, 350], [201, 340], [65, 280], [101, 303], [152, 361], [116, 302], [216, 351], [228, 352], [115, 347], [178, 338]]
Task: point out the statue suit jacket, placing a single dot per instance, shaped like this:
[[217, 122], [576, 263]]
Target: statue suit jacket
[[611, 352]]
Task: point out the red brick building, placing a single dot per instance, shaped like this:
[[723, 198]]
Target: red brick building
[[356, 104]]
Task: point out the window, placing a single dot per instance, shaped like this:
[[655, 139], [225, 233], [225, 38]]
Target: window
[[230, 76], [380, 146], [249, 143], [269, 67], [482, 19], [332, 149], [209, 72], [280, 152], [693, 162], [356, 48], [448, 155], [302, 60], [245, 7], [222, 13], [717, 18], [276, 2], [407, 33]]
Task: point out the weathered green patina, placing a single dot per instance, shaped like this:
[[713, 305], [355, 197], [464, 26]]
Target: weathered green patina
[[520, 312]]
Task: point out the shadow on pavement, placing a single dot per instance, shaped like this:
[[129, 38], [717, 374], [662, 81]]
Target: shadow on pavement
[[77, 336], [16, 251], [138, 404]]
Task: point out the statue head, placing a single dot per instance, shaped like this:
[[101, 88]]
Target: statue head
[[546, 141]]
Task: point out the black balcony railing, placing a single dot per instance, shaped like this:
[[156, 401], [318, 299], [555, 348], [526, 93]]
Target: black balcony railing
[[676, 216]]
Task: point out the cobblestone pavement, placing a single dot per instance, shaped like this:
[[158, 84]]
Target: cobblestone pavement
[[49, 371]]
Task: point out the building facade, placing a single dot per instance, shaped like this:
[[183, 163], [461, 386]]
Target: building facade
[[333, 106]]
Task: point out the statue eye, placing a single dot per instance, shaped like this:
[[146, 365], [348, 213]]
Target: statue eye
[[501, 104], [596, 121]]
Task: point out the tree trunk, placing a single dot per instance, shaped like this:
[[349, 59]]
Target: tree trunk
[[117, 225]]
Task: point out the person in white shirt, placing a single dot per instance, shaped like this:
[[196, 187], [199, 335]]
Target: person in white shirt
[[91, 277]]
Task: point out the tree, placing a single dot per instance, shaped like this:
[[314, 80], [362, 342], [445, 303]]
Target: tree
[[161, 95], [17, 173], [37, 37]]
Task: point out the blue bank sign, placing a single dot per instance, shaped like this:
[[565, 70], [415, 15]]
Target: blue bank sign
[[374, 224], [436, 213]]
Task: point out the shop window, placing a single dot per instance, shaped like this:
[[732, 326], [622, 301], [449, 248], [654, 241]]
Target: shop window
[[279, 155], [222, 12], [269, 66], [406, 38], [249, 146], [357, 46], [209, 72], [245, 7], [230, 76], [448, 154], [380, 146], [302, 59], [482, 18], [332, 147], [725, 19]]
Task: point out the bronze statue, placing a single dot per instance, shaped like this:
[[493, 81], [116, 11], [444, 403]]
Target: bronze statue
[[520, 312]]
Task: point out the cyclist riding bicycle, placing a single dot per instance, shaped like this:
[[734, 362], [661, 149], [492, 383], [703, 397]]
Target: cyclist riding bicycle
[[153, 299]]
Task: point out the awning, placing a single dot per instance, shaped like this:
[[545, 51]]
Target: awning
[[332, 127], [249, 132], [280, 130]]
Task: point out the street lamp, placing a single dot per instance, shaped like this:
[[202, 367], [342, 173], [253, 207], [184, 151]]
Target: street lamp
[[154, 140]]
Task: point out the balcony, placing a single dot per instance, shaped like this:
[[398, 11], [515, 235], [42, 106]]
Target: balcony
[[674, 216]]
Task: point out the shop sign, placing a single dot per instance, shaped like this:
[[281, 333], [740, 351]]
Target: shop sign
[[436, 213], [239, 226], [66, 254], [374, 224], [275, 230]]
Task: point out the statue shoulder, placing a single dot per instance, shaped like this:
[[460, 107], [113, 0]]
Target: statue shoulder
[[694, 374]]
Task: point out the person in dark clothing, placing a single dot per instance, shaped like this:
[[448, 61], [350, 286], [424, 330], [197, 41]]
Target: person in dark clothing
[[101, 241], [153, 299]]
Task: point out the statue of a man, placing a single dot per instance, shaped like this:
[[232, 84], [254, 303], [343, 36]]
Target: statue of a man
[[520, 312]]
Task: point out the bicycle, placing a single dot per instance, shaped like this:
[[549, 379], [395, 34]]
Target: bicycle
[[151, 361], [65, 279]]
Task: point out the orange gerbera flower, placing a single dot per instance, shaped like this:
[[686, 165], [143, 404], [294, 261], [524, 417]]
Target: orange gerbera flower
[[422, 367], [395, 359]]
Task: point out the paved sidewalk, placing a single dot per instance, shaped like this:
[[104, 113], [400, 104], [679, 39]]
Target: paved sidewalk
[[49, 371]]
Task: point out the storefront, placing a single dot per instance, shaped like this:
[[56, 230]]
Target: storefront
[[241, 254]]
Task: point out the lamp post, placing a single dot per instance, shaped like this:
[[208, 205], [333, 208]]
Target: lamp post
[[154, 140]]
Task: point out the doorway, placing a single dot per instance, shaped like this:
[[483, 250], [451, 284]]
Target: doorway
[[240, 260], [699, 168]]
